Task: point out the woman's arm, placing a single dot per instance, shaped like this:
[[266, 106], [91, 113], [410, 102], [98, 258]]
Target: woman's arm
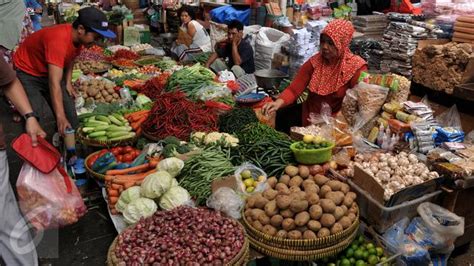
[[191, 29], [298, 85], [355, 78]]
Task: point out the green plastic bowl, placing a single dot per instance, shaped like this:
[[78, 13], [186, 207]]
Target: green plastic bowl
[[312, 156]]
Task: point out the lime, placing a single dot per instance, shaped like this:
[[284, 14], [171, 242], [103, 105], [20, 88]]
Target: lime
[[345, 262], [246, 174], [361, 239], [352, 260], [249, 182], [354, 246], [370, 246], [331, 264], [379, 251], [366, 255], [383, 259], [372, 260], [360, 263], [307, 139], [359, 254], [372, 251], [349, 253], [250, 189], [261, 178]]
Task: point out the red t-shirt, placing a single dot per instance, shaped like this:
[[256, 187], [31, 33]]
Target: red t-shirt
[[52, 45]]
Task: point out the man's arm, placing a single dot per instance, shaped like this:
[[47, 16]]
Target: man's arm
[[69, 87], [55, 75], [211, 59]]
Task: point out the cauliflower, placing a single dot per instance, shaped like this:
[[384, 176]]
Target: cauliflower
[[231, 140], [198, 137]]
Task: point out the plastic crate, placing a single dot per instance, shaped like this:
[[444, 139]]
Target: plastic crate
[[381, 217]]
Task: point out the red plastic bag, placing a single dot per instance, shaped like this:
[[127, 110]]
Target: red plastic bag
[[49, 200]]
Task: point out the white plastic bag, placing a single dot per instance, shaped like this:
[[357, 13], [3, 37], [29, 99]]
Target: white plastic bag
[[269, 42], [256, 174], [225, 76], [227, 201]]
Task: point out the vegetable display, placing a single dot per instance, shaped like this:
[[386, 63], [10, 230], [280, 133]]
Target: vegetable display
[[166, 64], [190, 79], [200, 170], [91, 66], [175, 115], [256, 132], [156, 184], [107, 128], [127, 196], [99, 90], [174, 197], [184, 235], [154, 87], [214, 138], [394, 172], [299, 205], [201, 58], [139, 208], [125, 54], [237, 119], [124, 63], [136, 119]]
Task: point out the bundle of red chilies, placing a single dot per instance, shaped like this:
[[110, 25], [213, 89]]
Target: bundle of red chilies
[[154, 87], [173, 114]]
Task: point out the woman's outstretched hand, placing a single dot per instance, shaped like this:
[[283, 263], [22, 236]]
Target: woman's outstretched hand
[[271, 108]]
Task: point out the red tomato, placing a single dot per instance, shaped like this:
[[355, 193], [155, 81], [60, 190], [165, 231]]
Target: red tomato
[[120, 158], [115, 153], [128, 158], [128, 149], [136, 153]]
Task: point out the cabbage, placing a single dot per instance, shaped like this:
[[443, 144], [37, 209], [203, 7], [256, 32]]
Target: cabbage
[[174, 197], [154, 185], [142, 99], [126, 197], [139, 208], [171, 165]]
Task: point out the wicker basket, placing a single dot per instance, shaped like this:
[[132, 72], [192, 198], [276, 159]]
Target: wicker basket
[[104, 144], [90, 171], [300, 244], [302, 255], [150, 137]]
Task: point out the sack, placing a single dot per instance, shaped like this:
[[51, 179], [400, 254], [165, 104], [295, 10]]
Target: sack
[[269, 42], [226, 14], [43, 157], [184, 38], [49, 200], [218, 34]]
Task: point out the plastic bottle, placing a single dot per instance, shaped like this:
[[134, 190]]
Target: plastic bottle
[[380, 135], [385, 142]]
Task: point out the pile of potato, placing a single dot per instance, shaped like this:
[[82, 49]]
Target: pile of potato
[[92, 66], [101, 91], [302, 206]]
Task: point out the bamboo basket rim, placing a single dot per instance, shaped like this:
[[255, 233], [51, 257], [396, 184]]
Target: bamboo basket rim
[[104, 144], [90, 171], [301, 243], [148, 136], [302, 255]]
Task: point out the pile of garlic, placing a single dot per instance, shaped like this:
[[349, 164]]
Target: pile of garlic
[[394, 172]]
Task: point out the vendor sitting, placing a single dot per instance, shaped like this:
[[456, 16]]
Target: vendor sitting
[[238, 51], [192, 32], [327, 76]]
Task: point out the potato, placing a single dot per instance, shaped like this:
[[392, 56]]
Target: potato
[[97, 96], [297, 206], [338, 213], [283, 201], [312, 198], [324, 232], [249, 219], [110, 91], [312, 189], [301, 228], [307, 183], [116, 96], [335, 185], [269, 230], [320, 179], [345, 222], [351, 195], [302, 218], [353, 210], [315, 211], [260, 202], [291, 170], [336, 228], [257, 225], [270, 194], [294, 190], [301, 195], [303, 171], [295, 234], [108, 98], [287, 213], [308, 234], [276, 220], [344, 208], [251, 201], [345, 188], [348, 201], [324, 189], [255, 213], [248, 213], [104, 93], [288, 224], [314, 225], [295, 181], [271, 208], [282, 189], [285, 179], [272, 181], [264, 219], [281, 234], [336, 197], [327, 205], [327, 220]]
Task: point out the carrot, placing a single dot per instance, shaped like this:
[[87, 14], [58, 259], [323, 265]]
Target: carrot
[[122, 179], [112, 193], [153, 163], [138, 131], [139, 168], [108, 177], [115, 186], [129, 184], [138, 183], [113, 200]]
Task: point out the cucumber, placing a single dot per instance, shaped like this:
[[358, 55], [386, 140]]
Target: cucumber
[[84, 116], [129, 135], [88, 129], [117, 134], [117, 128], [103, 119], [115, 121], [120, 117], [96, 123], [101, 138], [100, 128], [97, 134]]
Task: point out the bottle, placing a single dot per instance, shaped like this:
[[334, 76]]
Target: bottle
[[380, 135]]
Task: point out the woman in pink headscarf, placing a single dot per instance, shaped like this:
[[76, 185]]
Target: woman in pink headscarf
[[327, 76]]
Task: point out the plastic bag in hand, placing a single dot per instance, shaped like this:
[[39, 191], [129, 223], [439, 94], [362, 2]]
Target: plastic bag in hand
[[49, 200]]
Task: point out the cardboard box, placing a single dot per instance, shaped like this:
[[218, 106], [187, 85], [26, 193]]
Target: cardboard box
[[228, 181], [365, 181]]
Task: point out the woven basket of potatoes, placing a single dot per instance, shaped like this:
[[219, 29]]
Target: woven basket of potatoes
[[301, 211], [99, 91]]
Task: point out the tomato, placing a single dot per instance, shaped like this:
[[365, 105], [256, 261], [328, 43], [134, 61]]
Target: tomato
[[136, 153], [128, 149], [119, 158], [128, 158]]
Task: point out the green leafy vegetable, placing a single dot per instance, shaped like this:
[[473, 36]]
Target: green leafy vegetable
[[174, 197]]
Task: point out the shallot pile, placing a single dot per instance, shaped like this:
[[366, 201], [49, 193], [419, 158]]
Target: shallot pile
[[182, 236]]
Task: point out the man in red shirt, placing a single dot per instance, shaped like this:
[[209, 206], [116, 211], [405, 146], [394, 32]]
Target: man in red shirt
[[45, 60]]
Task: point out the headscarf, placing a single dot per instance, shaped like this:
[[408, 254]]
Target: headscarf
[[329, 77]]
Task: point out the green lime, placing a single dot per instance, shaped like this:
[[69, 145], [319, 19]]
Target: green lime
[[379, 251], [360, 263], [383, 259], [370, 246], [359, 254], [365, 255], [352, 260], [246, 174], [361, 239], [354, 246], [349, 253], [372, 260], [372, 251], [331, 264], [345, 262]]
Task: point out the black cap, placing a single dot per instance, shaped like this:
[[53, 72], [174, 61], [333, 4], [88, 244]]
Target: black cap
[[95, 19]]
